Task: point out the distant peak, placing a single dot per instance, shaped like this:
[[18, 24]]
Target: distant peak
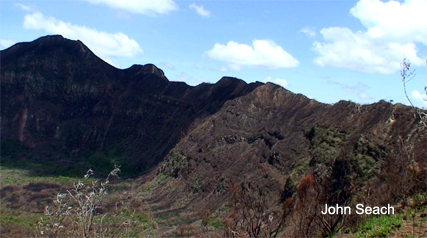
[[51, 37], [49, 41], [147, 69], [230, 80], [55, 39], [52, 47]]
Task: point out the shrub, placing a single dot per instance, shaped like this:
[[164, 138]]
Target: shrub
[[250, 213], [82, 212]]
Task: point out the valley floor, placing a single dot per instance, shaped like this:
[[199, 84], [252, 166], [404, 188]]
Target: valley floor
[[24, 198]]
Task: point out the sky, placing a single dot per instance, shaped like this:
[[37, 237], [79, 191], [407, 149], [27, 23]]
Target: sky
[[328, 50]]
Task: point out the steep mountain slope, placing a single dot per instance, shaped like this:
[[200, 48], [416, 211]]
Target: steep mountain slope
[[209, 148], [268, 140], [62, 101]]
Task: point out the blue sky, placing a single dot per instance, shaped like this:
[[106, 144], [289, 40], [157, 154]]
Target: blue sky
[[327, 50]]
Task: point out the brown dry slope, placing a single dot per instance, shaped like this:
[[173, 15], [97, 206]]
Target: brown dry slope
[[263, 139]]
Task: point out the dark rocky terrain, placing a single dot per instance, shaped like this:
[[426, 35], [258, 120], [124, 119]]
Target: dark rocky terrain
[[62, 101], [64, 106]]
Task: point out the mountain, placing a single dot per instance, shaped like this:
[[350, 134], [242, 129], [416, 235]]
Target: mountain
[[207, 149], [63, 101], [269, 140]]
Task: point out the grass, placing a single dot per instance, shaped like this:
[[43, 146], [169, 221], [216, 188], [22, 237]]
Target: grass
[[12, 176], [17, 223], [24, 197], [404, 224], [216, 223], [380, 226], [11, 216], [165, 216], [44, 167], [159, 180]]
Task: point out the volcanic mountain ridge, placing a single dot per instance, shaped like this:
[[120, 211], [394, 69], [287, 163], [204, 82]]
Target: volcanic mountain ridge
[[62, 101], [67, 107]]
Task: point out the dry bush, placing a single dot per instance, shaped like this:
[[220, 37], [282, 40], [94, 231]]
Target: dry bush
[[187, 231], [404, 173], [250, 214], [306, 207], [302, 211], [81, 212]]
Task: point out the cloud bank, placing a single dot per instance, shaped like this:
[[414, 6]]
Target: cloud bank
[[393, 30], [103, 44], [264, 54]]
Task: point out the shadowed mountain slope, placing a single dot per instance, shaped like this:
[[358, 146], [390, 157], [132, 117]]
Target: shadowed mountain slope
[[61, 100]]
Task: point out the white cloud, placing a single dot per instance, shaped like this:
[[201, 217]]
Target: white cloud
[[6, 43], [420, 99], [401, 22], [356, 51], [263, 54], [103, 44], [279, 81], [200, 10], [24, 7], [309, 31], [146, 7], [392, 31]]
